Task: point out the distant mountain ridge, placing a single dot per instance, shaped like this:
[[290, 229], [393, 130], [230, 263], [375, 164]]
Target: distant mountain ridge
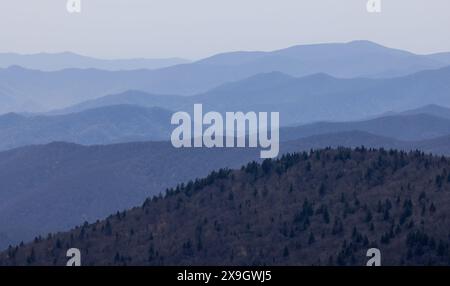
[[33, 90], [346, 60], [68, 60], [442, 57], [127, 123], [318, 97], [103, 125], [408, 127], [431, 109]]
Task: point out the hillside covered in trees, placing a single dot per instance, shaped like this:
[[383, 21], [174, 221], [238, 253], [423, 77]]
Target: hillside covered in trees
[[324, 207]]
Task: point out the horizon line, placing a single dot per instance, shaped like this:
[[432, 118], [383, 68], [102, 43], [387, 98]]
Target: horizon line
[[187, 59]]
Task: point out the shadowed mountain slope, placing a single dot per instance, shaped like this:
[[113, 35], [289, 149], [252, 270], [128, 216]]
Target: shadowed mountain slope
[[327, 207]]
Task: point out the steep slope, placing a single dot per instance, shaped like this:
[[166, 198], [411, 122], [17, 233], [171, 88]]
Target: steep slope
[[327, 207]]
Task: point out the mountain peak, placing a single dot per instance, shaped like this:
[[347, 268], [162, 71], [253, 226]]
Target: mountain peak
[[364, 43]]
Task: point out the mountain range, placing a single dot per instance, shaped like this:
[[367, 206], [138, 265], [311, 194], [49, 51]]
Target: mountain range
[[307, 99], [67, 60], [103, 125], [109, 124], [34, 90], [412, 127], [343, 60], [81, 138]]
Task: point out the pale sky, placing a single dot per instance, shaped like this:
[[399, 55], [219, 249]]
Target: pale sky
[[199, 28]]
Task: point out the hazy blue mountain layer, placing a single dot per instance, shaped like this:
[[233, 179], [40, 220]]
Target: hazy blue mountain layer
[[60, 61], [34, 90]]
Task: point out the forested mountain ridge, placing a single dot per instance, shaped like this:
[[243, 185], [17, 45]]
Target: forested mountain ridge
[[324, 207]]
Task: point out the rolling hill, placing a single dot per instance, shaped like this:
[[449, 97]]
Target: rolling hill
[[48, 188], [405, 126], [326, 207], [103, 125], [35, 91], [53, 187], [130, 97], [431, 109]]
